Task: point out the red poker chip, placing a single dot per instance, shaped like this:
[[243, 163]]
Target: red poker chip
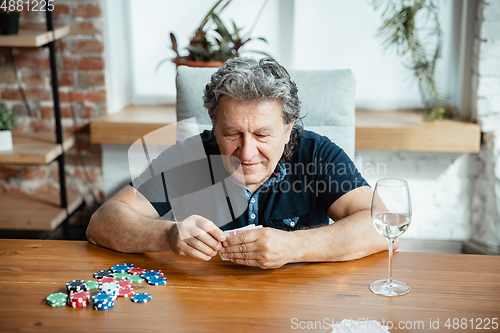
[[136, 271], [79, 297], [125, 284], [107, 279], [126, 292], [78, 304]]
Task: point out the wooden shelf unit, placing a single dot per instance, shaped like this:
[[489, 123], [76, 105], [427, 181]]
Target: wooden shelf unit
[[40, 211], [34, 35], [35, 212], [378, 130], [35, 148]]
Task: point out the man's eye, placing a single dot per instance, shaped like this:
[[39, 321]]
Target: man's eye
[[232, 136]]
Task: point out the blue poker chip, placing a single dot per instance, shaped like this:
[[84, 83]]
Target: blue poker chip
[[157, 280], [149, 274], [102, 298], [104, 307], [141, 298], [122, 268]]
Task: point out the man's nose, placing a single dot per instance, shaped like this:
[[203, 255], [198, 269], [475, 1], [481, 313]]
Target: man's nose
[[248, 149]]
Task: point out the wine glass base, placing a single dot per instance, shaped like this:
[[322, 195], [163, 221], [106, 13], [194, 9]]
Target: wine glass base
[[397, 288]]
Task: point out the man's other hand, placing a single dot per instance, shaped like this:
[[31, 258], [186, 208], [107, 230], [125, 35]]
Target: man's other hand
[[265, 248], [197, 237]]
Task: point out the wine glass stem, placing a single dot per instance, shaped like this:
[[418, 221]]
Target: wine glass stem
[[391, 243]]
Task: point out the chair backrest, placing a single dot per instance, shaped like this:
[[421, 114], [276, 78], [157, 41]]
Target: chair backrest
[[327, 100]]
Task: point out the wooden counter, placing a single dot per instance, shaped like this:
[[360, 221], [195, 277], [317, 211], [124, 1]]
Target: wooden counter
[[219, 296]]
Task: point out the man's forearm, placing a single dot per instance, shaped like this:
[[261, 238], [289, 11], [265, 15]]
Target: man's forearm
[[116, 226], [350, 238]]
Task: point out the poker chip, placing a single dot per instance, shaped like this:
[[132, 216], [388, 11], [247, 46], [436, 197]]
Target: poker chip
[[118, 281], [122, 268], [125, 284], [121, 276], [79, 296], [108, 279], [141, 298], [104, 307], [150, 274], [110, 288], [102, 301], [79, 299], [157, 281], [91, 285], [57, 299], [76, 286], [135, 278], [126, 292], [136, 271], [159, 271], [101, 298], [102, 274]]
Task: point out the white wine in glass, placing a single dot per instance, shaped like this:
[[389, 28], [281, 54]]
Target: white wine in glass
[[391, 215]]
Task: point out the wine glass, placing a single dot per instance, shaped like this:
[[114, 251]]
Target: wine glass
[[391, 215]]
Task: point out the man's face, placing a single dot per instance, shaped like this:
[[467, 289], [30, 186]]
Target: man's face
[[253, 136]]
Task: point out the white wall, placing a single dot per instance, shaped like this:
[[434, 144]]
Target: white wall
[[116, 52], [333, 34], [302, 34], [440, 186]]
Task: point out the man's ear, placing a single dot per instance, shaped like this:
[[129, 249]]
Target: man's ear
[[288, 131]]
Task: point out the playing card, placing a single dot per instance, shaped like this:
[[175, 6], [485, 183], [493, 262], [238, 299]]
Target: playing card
[[233, 232]]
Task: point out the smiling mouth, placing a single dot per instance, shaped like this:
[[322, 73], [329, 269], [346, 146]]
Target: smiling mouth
[[245, 165]]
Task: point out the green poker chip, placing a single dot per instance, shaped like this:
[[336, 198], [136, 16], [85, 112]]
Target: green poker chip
[[135, 278], [92, 284], [57, 299], [121, 276]]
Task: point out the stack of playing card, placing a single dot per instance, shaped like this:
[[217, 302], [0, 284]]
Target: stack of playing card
[[233, 232]]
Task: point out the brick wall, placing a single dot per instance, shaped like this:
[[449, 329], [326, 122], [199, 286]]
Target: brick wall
[[485, 195], [82, 90]]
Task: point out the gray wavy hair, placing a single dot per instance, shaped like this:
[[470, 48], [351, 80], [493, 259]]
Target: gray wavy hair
[[253, 80]]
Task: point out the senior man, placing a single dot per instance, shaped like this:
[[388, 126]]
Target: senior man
[[254, 108]]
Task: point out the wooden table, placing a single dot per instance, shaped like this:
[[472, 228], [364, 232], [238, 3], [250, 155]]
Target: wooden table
[[219, 296]]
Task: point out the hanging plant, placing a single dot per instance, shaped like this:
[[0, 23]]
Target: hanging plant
[[399, 30]]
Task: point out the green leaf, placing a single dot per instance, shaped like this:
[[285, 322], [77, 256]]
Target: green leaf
[[236, 31], [197, 50], [161, 63], [8, 119], [174, 44], [221, 28]]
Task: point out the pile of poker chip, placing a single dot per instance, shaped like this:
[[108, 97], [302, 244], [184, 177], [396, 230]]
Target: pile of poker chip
[[111, 284]]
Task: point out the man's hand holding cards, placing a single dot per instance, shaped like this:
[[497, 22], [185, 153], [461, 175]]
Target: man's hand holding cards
[[233, 232], [262, 247]]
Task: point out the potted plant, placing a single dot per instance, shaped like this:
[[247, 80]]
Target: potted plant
[[213, 43], [9, 22], [400, 31], [8, 120]]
